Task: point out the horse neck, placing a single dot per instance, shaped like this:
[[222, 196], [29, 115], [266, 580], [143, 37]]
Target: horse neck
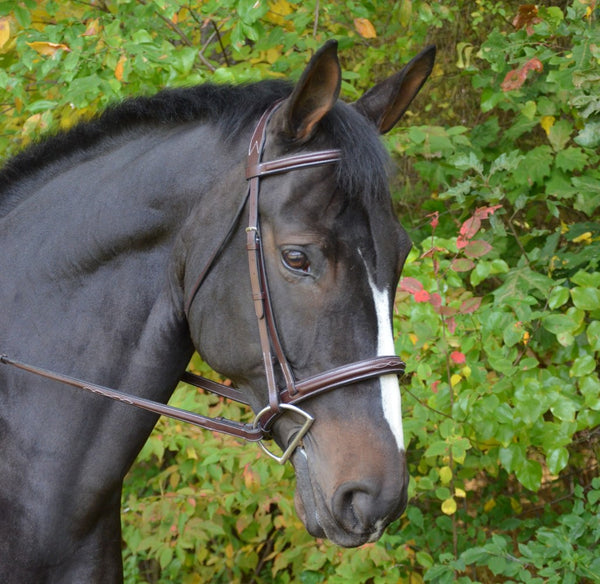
[[101, 257]]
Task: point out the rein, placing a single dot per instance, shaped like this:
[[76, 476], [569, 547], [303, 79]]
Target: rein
[[295, 391]]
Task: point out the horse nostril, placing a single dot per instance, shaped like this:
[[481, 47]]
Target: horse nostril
[[363, 507], [356, 506]]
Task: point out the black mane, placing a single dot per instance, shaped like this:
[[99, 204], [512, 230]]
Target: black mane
[[362, 172]]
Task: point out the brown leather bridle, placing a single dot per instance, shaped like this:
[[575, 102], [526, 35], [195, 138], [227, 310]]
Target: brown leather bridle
[[294, 392]]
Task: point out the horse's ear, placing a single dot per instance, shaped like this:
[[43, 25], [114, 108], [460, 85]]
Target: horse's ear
[[385, 103], [315, 93]]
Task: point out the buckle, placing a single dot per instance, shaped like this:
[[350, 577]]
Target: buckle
[[297, 438]]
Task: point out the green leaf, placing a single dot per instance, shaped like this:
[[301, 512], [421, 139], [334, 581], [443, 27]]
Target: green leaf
[[535, 166], [560, 134], [468, 162], [512, 335], [521, 282], [564, 409], [558, 296], [439, 448], [589, 137], [497, 565], [529, 474], [583, 365], [424, 559], [560, 323], [593, 335], [590, 389], [582, 278], [571, 159], [586, 298], [511, 457], [557, 459]]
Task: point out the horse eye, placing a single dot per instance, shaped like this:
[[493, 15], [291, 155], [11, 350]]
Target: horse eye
[[296, 260]]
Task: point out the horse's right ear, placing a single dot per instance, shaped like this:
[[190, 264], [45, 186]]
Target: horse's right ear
[[315, 93], [385, 103]]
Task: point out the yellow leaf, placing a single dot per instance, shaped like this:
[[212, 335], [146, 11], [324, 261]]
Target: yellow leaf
[[405, 12], [583, 238], [32, 126], [174, 480], [119, 67], [449, 506], [272, 55], [281, 7], [489, 505], [48, 49], [92, 28], [278, 10], [547, 122], [4, 31], [364, 28], [455, 379], [445, 474], [459, 493]]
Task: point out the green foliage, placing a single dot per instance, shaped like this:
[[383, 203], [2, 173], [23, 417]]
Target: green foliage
[[497, 314]]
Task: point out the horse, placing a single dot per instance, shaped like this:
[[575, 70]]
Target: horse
[[133, 239]]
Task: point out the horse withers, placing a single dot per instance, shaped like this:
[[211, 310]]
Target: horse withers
[[133, 239]]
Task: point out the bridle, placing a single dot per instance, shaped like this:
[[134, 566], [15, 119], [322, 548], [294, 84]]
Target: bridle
[[280, 400]]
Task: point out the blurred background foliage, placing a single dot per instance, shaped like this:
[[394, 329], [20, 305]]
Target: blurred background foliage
[[497, 315]]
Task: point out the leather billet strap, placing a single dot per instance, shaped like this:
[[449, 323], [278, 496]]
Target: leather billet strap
[[221, 425]]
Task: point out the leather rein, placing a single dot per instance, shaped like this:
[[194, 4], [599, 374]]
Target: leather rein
[[295, 391]]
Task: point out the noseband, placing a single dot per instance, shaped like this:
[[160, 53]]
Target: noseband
[[280, 400]]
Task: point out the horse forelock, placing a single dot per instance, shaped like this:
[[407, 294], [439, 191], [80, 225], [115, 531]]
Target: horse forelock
[[362, 173]]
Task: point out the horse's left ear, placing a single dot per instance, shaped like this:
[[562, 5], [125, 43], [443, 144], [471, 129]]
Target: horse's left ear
[[315, 93], [385, 103]]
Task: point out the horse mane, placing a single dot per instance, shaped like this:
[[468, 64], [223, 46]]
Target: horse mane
[[363, 168]]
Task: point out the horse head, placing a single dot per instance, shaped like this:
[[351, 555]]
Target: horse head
[[332, 252]]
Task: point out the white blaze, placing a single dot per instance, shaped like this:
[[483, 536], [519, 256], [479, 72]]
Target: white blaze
[[390, 388]]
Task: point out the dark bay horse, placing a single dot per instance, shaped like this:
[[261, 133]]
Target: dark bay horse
[[125, 246]]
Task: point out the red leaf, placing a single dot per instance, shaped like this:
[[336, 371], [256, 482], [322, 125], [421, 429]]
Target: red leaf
[[462, 264], [526, 18], [435, 300], [470, 305], [461, 242], [434, 386], [451, 325], [432, 251], [422, 296], [470, 227], [477, 248], [514, 79], [458, 357], [410, 285], [447, 310], [434, 219], [485, 212]]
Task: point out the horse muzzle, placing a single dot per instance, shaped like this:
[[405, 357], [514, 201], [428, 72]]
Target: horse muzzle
[[353, 511]]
